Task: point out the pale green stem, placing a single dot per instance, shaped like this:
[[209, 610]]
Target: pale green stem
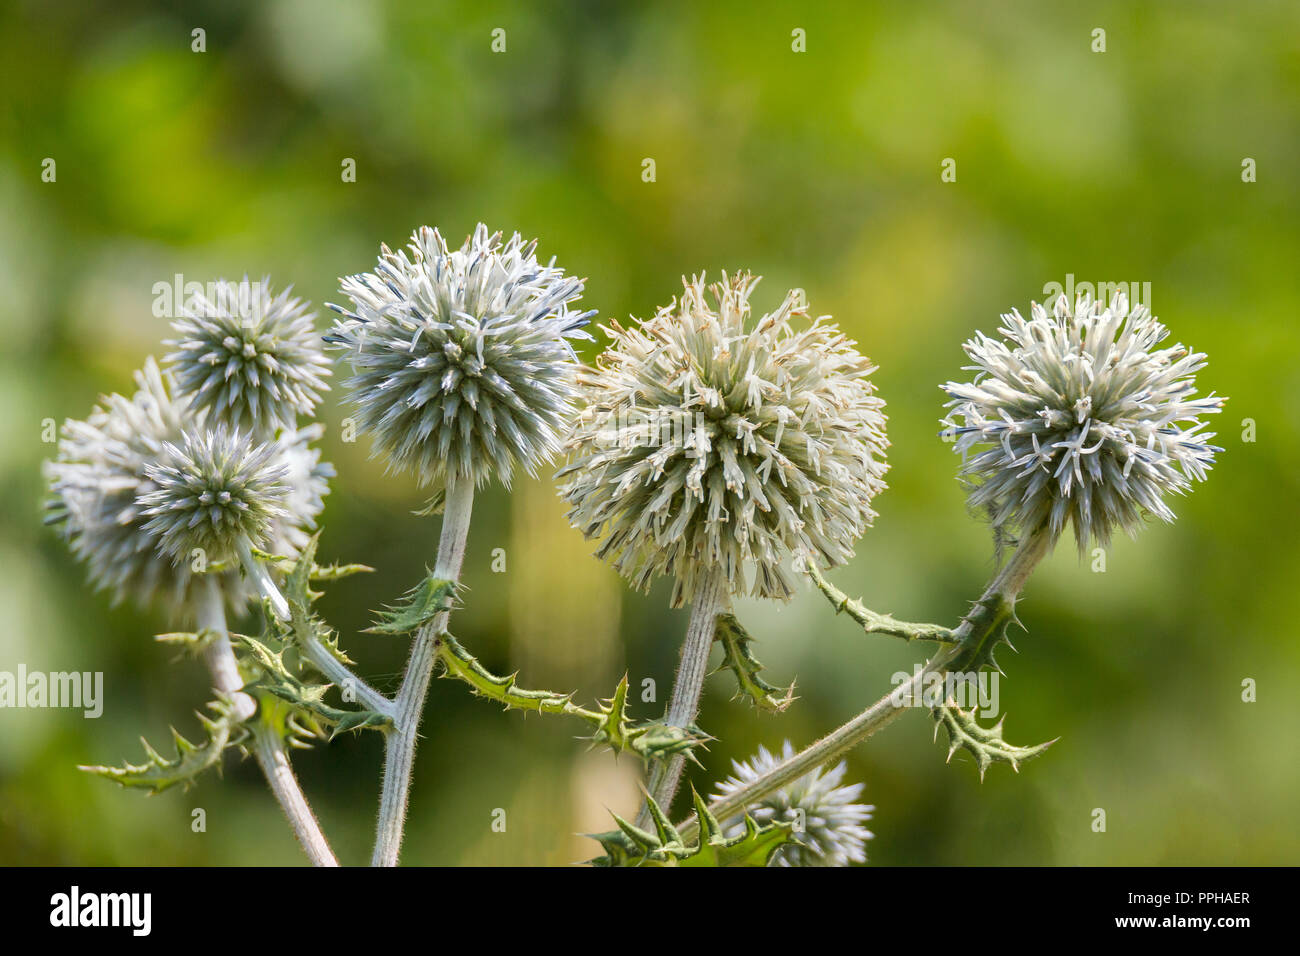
[[217, 652], [710, 600], [268, 747], [262, 580], [401, 738], [1006, 586]]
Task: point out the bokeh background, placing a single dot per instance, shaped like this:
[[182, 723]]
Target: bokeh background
[[817, 169]]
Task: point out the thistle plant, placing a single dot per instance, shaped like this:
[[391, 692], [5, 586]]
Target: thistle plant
[[729, 452], [463, 369], [713, 448], [1027, 416], [163, 501]]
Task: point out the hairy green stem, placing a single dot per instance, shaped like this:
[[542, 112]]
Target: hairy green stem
[[268, 747], [409, 705], [218, 655], [1005, 587], [710, 600]]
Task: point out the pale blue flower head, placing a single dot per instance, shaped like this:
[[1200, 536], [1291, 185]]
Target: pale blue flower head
[[717, 440], [111, 466], [462, 358]]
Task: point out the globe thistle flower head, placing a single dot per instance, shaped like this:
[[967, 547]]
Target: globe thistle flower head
[[97, 479], [217, 492], [248, 359], [462, 357], [827, 820], [307, 480], [1078, 418], [714, 441]]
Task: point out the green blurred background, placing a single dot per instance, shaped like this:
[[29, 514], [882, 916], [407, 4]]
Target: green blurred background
[[818, 169]]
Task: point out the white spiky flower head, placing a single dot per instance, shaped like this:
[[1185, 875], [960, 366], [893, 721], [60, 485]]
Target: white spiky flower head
[[827, 820], [217, 492], [247, 358], [1078, 418], [96, 481], [462, 358], [99, 478], [307, 478], [712, 442]]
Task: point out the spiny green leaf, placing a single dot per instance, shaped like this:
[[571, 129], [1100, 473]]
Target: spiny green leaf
[[651, 739], [458, 662], [303, 626], [632, 846], [360, 720], [317, 572], [297, 580], [299, 728], [610, 722], [738, 657], [988, 620], [985, 744], [272, 675], [159, 773], [422, 603], [435, 505], [873, 622], [754, 847], [336, 571], [193, 642]]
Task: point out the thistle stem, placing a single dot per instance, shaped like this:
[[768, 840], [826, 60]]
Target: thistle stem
[[1005, 586], [710, 600], [400, 741], [261, 578], [217, 653], [268, 748]]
